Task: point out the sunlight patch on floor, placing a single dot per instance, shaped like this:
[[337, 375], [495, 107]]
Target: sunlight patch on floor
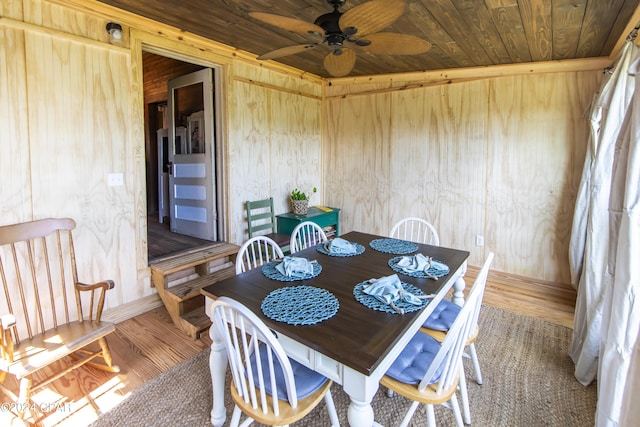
[[52, 409]]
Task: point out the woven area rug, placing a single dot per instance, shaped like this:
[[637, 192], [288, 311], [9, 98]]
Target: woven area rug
[[528, 381]]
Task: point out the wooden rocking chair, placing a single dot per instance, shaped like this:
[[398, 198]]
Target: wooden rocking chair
[[41, 314]]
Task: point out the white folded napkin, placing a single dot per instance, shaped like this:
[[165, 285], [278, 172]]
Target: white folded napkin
[[420, 263], [389, 290], [341, 246], [295, 267]]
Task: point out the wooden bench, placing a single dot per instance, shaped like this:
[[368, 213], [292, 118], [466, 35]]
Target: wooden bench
[[46, 313], [179, 280]]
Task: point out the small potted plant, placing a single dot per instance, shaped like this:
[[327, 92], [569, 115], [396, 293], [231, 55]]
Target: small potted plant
[[300, 201]]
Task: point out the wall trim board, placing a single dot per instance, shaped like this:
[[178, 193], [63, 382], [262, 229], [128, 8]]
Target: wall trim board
[[473, 73], [131, 309], [274, 87], [400, 88]]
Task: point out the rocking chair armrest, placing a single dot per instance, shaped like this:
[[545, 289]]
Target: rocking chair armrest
[[7, 320], [105, 284]]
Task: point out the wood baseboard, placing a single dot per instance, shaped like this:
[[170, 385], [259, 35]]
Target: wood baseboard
[[132, 309]]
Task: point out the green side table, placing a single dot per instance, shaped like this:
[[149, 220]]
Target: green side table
[[327, 220]]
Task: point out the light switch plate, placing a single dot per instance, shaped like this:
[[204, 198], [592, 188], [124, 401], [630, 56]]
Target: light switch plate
[[115, 179]]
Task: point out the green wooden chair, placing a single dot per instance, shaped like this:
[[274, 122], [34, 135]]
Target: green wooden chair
[[261, 221]]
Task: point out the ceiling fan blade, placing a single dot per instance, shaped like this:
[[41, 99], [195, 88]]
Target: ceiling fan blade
[[372, 16], [290, 24], [284, 51], [395, 44], [340, 65]]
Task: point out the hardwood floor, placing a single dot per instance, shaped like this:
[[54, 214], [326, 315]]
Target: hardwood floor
[[162, 242], [150, 344]]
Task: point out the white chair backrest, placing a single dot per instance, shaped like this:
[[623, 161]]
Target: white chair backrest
[[243, 334], [255, 252], [451, 349], [480, 282], [306, 234], [415, 230]]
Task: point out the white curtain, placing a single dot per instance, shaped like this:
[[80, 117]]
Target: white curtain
[[620, 322], [604, 241]]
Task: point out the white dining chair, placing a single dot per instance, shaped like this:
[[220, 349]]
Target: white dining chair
[[306, 234], [428, 372], [257, 251], [441, 320], [415, 230], [267, 386]]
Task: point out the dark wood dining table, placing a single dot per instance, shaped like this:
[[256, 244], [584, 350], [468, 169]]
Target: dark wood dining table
[[357, 345]]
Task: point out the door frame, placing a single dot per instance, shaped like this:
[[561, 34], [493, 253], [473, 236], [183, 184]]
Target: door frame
[[219, 157]]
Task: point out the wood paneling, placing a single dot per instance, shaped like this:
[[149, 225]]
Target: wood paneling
[[274, 147], [463, 33], [14, 161], [438, 160], [598, 15], [536, 143], [158, 70], [356, 162], [567, 21], [64, 95], [498, 157]]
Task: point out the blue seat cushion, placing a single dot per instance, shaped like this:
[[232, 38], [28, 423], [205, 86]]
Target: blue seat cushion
[[307, 381], [443, 316], [414, 360]]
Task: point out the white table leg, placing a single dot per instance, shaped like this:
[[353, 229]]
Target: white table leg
[[361, 390], [218, 367], [360, 414], [458, 287]]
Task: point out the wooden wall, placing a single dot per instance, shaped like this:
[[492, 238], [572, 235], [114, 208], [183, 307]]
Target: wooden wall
[[66, 113], [275, 141], [72, 111], [498, 157]]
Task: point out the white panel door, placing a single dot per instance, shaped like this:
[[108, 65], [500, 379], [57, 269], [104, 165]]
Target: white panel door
[[192, 201]]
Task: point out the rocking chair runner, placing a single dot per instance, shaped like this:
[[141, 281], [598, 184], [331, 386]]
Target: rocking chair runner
[[40, 288]]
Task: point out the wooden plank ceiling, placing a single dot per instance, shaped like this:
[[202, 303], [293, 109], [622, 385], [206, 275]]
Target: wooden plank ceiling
[[463, 33]]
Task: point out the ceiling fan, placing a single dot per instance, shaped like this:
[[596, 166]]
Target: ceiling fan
[[358, 27]]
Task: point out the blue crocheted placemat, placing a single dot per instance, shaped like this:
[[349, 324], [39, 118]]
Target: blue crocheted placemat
[[323, 250], [270, 271], [300, 305], [434, 272], [375, 304], [393, 246]]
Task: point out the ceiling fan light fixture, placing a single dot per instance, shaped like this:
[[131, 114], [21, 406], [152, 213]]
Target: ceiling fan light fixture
[[335, 40]]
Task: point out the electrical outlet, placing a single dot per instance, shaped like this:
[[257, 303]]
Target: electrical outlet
[[479, 240], [115, 179]]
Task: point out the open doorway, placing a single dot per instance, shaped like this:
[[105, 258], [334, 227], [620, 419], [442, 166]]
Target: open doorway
[[162, 242]]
